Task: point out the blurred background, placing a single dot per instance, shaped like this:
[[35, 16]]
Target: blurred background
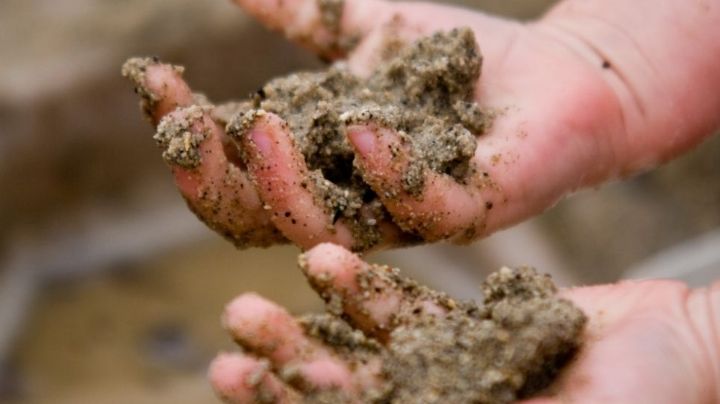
[[110, 289]]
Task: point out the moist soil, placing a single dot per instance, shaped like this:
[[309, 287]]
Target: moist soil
[[425, 93], [509, 347]]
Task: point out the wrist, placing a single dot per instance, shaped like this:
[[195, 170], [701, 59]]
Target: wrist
[[660, 58]]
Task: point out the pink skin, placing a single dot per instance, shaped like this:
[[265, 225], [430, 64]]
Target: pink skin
[[169, 88], [564, 121], [648, 341], [239, 378]]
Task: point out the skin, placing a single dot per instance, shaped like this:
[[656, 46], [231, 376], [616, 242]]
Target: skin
[[647, 341], [594, 91]]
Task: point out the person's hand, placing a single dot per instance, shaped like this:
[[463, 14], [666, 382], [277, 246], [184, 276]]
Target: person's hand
[[574, 107], [645, 342]]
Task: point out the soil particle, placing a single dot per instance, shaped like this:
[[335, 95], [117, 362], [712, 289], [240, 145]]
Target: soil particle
[[176, 137], [425, 93], [507, 348]]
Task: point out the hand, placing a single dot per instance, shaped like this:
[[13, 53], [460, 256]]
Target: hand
[[646, 342], [571, 112]]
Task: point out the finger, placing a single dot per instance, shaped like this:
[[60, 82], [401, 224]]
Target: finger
[[285, 183], [374, 297], [330, 27], [160, 86], [269, 331], [240, 379], [442, 209], [217, 191]]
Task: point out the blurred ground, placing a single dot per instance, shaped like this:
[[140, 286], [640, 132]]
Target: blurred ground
[[110, 291]]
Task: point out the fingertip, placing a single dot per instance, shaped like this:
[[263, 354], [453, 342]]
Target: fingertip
[[166, 80], [381, 155], [265, 133], [362, 138], [264, 327], [332, 266], [261, 141], [229, 374], [160, 86], [238, 379], [245, 313]]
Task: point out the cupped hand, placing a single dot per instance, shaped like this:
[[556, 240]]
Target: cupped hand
[[645, 342], [562, 122]]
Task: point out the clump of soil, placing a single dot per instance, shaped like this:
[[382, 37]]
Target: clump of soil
[[180, 144], [425, 93], [507, 348]]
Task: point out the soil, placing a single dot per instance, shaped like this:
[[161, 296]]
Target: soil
[[179, 143], [509, 347], [425, 93]]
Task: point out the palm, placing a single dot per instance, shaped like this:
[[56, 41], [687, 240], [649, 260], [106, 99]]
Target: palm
[[643, 346]]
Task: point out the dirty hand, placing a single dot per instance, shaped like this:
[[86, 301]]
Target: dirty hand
[[649, 342], [595, 90]]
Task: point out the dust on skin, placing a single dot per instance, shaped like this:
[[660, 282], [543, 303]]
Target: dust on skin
[[510, 346]]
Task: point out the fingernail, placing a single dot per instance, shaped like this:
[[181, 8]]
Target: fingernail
[[261, 141], [363, 140]]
